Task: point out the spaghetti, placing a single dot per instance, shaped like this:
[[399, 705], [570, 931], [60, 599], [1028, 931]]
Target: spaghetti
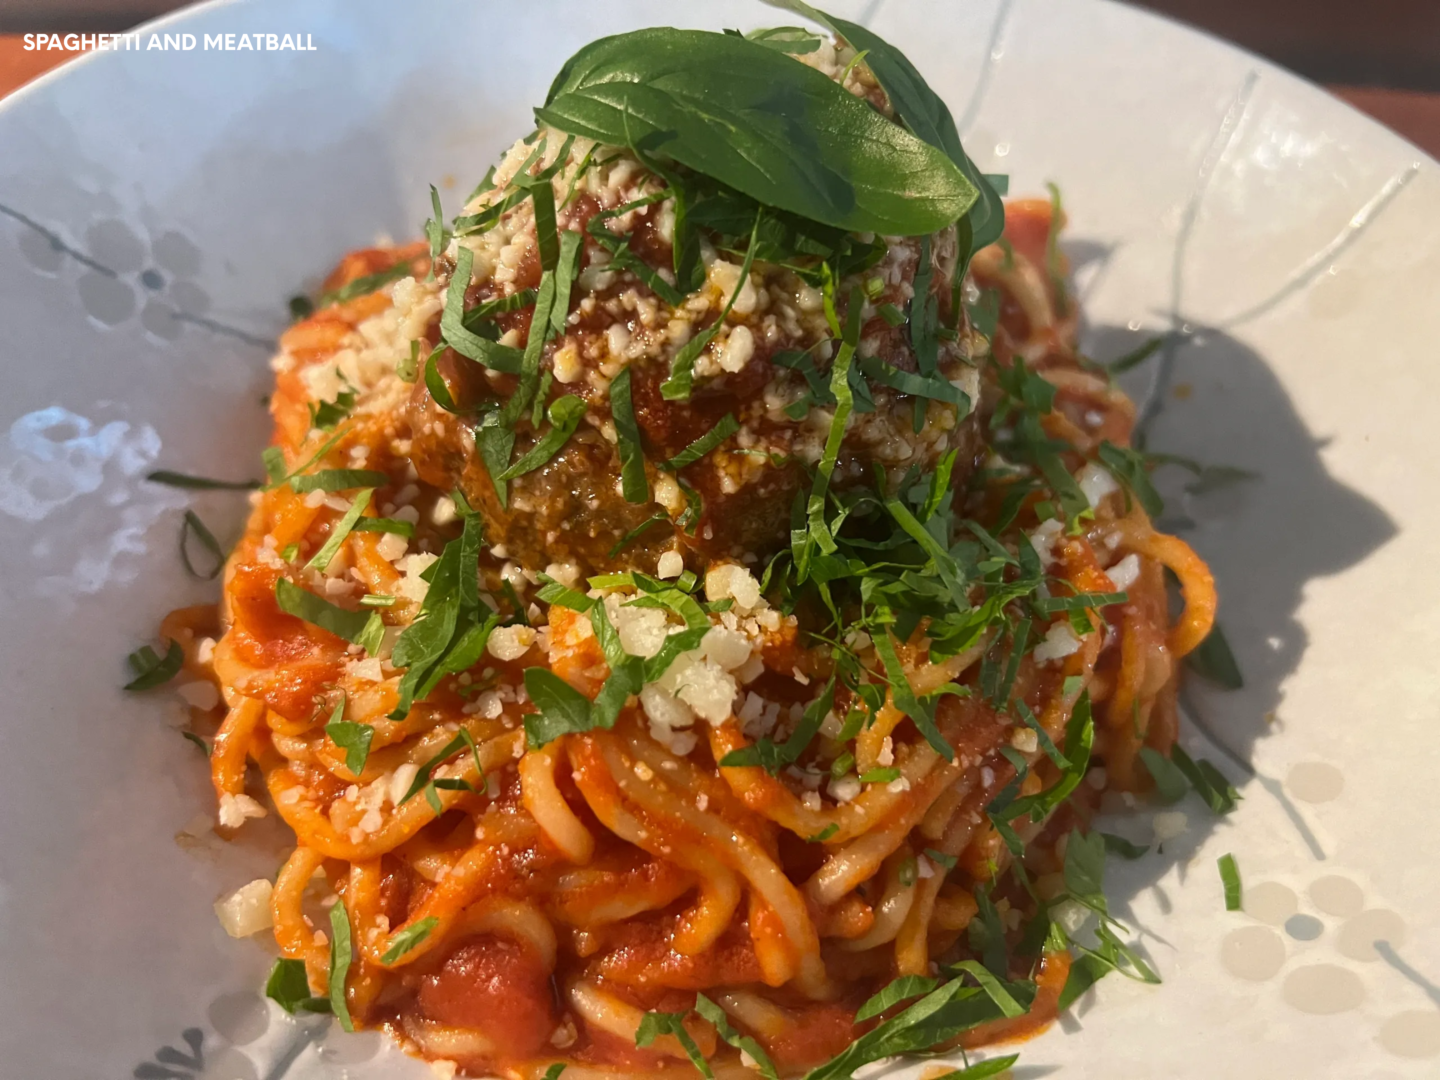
[[611, 742]]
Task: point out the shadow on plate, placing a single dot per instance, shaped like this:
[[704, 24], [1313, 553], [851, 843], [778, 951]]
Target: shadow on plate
[[1265, 537]]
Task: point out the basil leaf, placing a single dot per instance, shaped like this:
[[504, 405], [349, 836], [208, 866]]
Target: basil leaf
[[1230, 878], [385, 525], [730, 109], [708, 1010], [936, 1018], [402, 941], [896, 991], [1085, 869], [704, 444], [1128, 466], [563, 709], [353, 738], [1136, 356], [635, 533], [655, 1024], [982, 1069], [1079, 740], [198, 483], [462, 739], [1213, 660], [454, 332], [992, 986], [677, 386], [338, 480], [905, 700], [362, 286], [1118, 845], [924, 113], [190, 736], [356, 627], [289, 987], [151, 670], [565, 415], [435, 231], [340, 956], [772, 756], [567, 269], [880, 776], [339, 531], [1170, 782], [1209, 782], [193, 526]]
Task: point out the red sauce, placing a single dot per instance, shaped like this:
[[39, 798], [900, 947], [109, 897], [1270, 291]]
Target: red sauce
[[498, 988], [818, 1034]]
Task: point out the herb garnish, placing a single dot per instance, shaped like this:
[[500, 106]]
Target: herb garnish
[[708, 101], [363, 286], [402, 941], [340, 955], [354, 626], [171, 478], [152, 670], [1230, 878], [289, 987], [193, 526]]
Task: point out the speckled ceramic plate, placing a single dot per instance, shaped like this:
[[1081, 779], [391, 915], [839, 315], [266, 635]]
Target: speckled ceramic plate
[[156, 209]]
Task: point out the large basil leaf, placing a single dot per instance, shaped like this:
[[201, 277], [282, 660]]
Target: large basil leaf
[[922, 110], [762, 123]]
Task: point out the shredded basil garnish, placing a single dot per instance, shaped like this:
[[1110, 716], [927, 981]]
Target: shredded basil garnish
[[152, 670]]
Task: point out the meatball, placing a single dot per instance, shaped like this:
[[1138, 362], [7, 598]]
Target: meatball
[[767, 365]]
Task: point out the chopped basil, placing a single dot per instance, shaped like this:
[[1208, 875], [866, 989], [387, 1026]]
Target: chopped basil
[[300, 307], [324, 415], [354, 738], [981, 1070], [462, 739], [339, 531], [880, 776], [824, 834], [939, 1016], [1054, 263], [1118, 845], [904, 988], [338, 480], [1170, 782], [354, 626], [634, 486], [402, 941], [378, 600], [193, 526], [682, 368], [1230, 878], [458, 336], [1129, 467], [773, 756], [152, 670], [746, 1045], [435, 231], [363, 286], [385, 525], [1136, 356], [190, 736], [340, 956], [198, 483], [655, 1024], [726, 427], [1208, 781], [635, 533], [1213, 660], [565, 415], [289, 987]]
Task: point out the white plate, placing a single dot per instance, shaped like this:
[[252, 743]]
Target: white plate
[[157, 208]]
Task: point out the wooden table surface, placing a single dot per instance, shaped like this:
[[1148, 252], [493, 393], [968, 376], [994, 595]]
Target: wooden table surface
[[1416, 116]]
